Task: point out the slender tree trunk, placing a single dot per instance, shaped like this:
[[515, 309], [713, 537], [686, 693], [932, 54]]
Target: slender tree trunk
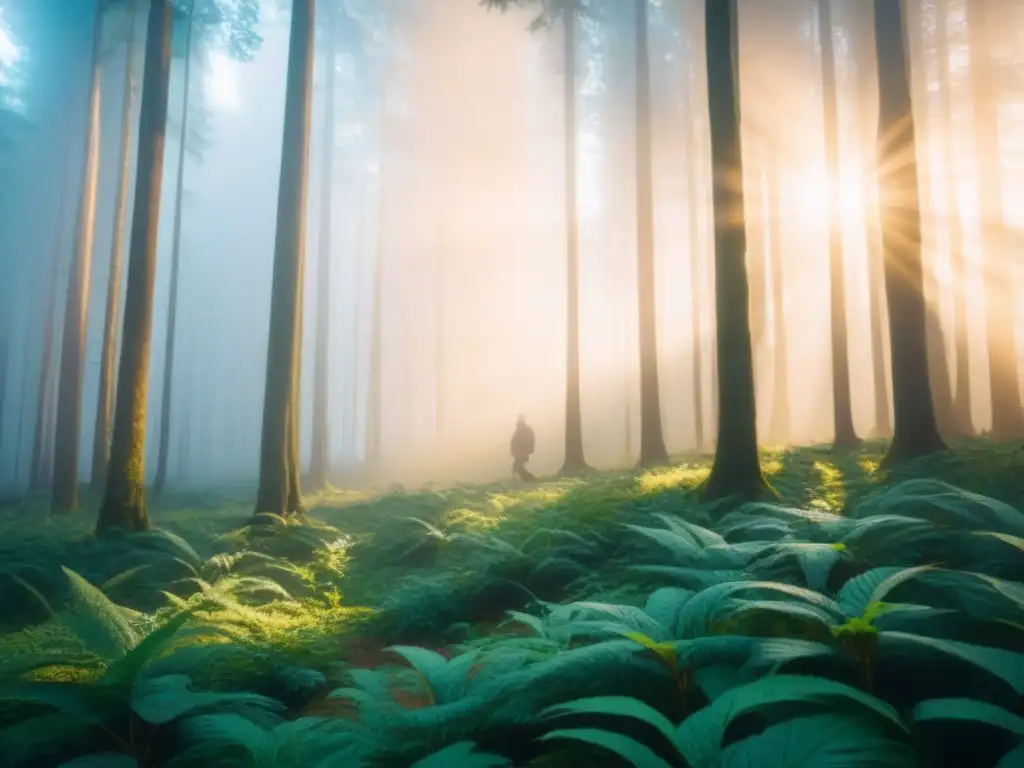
[[696, 333], [5, 350], [440, 278], [37, 478], [878, 310], [779, 427], [108, 359], [124, 502], [23, 410], [962, 421], [167, 392], [320, 449], [49, 446], [736, 469], [574, 462], [72, 358], [652, 441], [916, 432], [842, 404], [352, 439], [373, 398], [279, 491], [1004, 378]]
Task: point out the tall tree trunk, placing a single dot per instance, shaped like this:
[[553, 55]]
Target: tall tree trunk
[[37, 478], [878, 310], [23, 410], [49, 446], [962, 421], [72, 357], [696, 336], [1004, 379], [279, 491], [736, 469], [440, 279], [842, 404], [916, 432], [124, 502], [352, 439], [779, 426], [574, 462], [320, 449], [5, 350], [108, 359], [696, 292], [373, 395], [167, 390], [652, 441]]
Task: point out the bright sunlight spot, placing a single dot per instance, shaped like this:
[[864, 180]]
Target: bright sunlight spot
[[221, 82]]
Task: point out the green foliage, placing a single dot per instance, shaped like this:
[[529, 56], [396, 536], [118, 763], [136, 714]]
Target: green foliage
[[577, 621]]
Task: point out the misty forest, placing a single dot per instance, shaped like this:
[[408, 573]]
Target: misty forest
[[470, 383]]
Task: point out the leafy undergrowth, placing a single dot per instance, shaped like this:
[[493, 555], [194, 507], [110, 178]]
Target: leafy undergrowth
[[856, 620]]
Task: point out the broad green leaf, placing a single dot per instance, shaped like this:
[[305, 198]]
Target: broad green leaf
[[874, 586], [1006, 665], [422, 660], [462, 754], [699, 737], [620, 706], [821, 741], [636, 753], [1012, 759], [103, 626], [699, 536], [160, 700], [85, 703], [125, 670], [969, 709], [1014, 541], [704, 607], [664, 606], [533, 622], [123, 576]]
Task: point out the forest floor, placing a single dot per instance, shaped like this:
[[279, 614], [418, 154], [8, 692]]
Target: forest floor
[[490, 593]]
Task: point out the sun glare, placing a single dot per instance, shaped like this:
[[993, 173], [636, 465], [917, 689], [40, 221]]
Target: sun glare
[[221, 82], [808, 195]]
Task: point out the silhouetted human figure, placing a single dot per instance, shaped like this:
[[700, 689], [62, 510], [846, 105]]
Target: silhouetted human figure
[[522, 444]]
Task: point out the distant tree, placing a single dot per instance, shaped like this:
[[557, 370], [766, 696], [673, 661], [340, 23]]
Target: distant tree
[[779, 426], [72, 359], [915, 430], [736, 470], [842, 405], [320, 448], [37, 475], [695, 169], [166, 391], [962, 421], [566, 11], [5, 351], [1004, 378], [877, 310], [652, 440], [279, 486], [108, 350]]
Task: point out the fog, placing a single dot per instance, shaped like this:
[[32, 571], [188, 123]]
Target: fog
[[447, 187]]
